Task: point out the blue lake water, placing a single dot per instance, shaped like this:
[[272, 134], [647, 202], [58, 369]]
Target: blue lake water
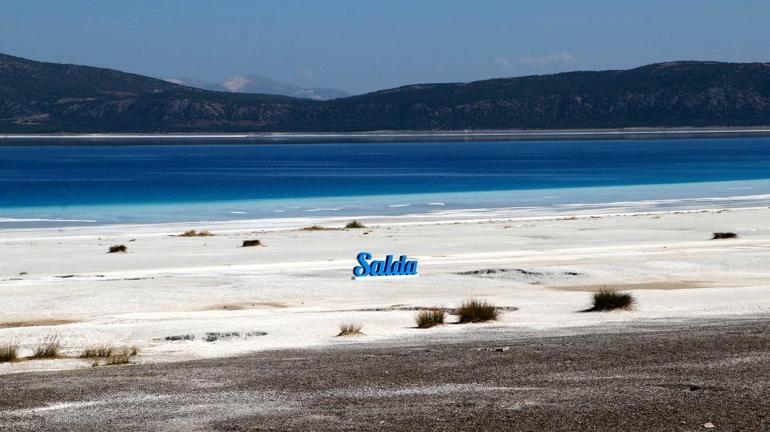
[[162, 183]]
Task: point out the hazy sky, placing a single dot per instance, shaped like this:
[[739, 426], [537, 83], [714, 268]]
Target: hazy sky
[[360, 45]]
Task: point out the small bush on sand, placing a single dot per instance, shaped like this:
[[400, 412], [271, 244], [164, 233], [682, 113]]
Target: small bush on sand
[[350, 329], [106, 351], [8, 353], [607, 300], [355, 224], [48, 347], [112, 356], [193, 233], [118, 248], [117, 360], [724, 235], [317, 228], [97, 351], [473, 311], [428, 318]]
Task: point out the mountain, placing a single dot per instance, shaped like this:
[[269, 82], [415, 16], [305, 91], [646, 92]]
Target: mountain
[[258, 84], [52, 97], [49, 97]]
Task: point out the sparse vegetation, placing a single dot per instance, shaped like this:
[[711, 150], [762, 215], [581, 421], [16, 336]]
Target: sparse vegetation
[[106, 351], [113, 356], [428, 318], [48, 347], [97, 351], [474, 311], [350, 329], [317, 228], [250, 243], [193, 233], [118, 248], [8, 352], [724, 235], [355, 225], [607, 300], [117, 360]]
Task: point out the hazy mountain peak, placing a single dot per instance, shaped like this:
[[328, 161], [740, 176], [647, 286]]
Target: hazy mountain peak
[[260, 84], [236, 83]]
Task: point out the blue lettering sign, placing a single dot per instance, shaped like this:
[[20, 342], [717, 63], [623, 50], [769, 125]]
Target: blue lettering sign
[[388, 267]]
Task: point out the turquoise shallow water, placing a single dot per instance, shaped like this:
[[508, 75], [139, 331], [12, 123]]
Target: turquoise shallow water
[[74, 185]]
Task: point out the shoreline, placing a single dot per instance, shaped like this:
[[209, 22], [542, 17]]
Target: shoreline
[[483, 205], [291, 223], [337, 222], [388, 136]]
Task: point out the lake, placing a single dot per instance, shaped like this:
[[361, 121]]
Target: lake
[[95, 184]]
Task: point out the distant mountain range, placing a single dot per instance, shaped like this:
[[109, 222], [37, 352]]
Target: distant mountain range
[[258, 84], [51, 97]]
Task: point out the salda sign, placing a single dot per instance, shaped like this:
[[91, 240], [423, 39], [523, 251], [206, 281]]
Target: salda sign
[[387, 267]]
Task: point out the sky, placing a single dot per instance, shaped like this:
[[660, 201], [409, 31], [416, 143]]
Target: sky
[[363, 45]]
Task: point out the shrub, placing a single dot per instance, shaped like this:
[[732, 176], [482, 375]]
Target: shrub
[[48, 347], [117, 360], [350, 329], [724, 235], [97, 351], [8, 353], [250, 243], [473, 311], [106, 351], [428, 318], [316, 228], [607, 300], [193, 233], [355, 224], [118, 248]]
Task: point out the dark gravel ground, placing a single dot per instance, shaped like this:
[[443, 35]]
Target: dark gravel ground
[[641, 378]]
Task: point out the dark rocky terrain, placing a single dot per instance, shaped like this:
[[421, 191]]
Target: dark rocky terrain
[[638, 377]]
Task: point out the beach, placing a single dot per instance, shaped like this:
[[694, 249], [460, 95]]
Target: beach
[[186, 298]]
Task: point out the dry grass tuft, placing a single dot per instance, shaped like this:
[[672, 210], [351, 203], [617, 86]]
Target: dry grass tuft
[[117, 360], [113, 356], [8, 352], [350, 329], [193, 233], [355, 224], [97, 351], [724, 235], [48, 347], [428, 318], [106, 351], [474, 311], [607, 300], [118, 248], [318, 228]]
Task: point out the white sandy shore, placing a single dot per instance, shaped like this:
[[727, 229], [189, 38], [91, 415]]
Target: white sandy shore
[[298, 287], [458, 135]]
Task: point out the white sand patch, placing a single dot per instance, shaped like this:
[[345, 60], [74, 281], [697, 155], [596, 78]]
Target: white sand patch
[[298, 288]]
